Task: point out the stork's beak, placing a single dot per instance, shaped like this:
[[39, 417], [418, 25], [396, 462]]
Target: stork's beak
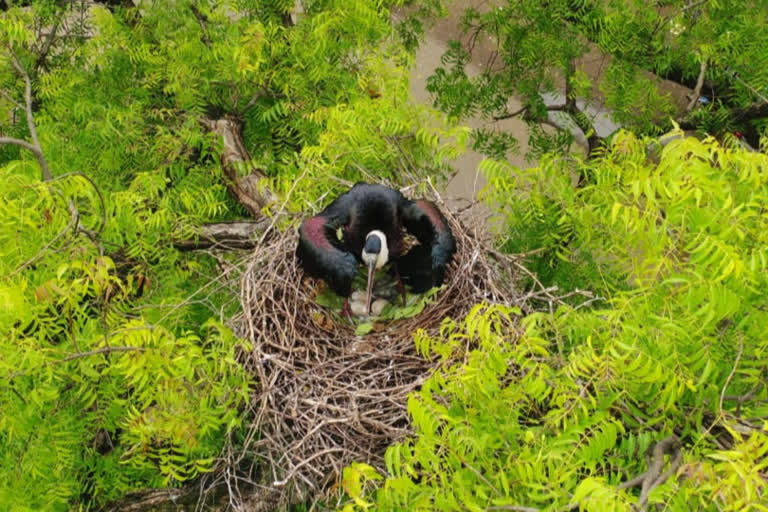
[[369, 293]]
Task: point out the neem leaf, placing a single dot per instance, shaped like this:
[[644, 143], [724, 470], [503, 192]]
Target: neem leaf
[[364, 329]]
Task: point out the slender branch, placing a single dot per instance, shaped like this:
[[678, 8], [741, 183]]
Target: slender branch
[[730, 375], [667, 19], [40, 61], [72, 222], [252, 102], [699, 84], [80, 355], [22, 143], [35, 146], [7, 96], [105, 350], [102, 203], [507, 115], [202, 19], [754, 91]]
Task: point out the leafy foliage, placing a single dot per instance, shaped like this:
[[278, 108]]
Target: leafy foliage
[[120, 372], [539, 55], [557, 410]]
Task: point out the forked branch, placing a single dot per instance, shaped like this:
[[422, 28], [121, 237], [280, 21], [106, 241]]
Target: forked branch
[[34, 146]]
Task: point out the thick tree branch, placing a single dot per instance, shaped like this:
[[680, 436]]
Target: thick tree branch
[[251, 190], [225, 235]]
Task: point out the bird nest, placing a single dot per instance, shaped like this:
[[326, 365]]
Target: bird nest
[[327, 396]]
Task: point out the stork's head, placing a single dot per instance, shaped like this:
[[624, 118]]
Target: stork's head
[[375, 255]]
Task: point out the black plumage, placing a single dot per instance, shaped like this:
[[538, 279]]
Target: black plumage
[[365, 208]]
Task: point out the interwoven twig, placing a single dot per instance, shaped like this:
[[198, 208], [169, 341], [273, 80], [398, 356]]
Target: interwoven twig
[[327, 397]]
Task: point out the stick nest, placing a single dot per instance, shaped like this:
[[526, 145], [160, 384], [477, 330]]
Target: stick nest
[[327, 397]]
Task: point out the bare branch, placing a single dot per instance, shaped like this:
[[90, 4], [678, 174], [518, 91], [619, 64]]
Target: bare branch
[[730, 375], [105, 350], [35, 146], [508, 115], [699, 84], [224, 235], [22, 143], [40, 61], [550, 108], [202, 19], [7, 96], [654, 478]]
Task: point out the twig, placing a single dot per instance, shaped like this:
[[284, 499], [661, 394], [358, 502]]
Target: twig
[[73, 221], [105, 350], [513, 508], [667, 19], [80, 355], [507, 115], [730, 375], [40, 61]]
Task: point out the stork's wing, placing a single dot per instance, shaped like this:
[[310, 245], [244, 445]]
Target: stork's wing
[[424, 266], [321, 257]]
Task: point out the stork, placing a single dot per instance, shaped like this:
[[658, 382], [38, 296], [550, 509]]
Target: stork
[[372, 220]]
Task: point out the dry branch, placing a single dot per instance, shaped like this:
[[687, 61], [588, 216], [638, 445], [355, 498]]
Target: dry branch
[[223, 235]]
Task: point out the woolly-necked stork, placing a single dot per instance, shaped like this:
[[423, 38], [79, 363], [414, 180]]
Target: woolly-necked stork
[[372, 220]]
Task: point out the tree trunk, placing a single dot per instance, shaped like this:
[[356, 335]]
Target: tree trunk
[[251, 190]]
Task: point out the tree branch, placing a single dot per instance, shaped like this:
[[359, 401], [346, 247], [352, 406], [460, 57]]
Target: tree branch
[[18, 142], [653, 477], [507, 115], [699, 84], [667, 19], [224, 235], [202, 19], [73, 220], [35, 146], [40, 61], [251, 190], [105, 350]]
